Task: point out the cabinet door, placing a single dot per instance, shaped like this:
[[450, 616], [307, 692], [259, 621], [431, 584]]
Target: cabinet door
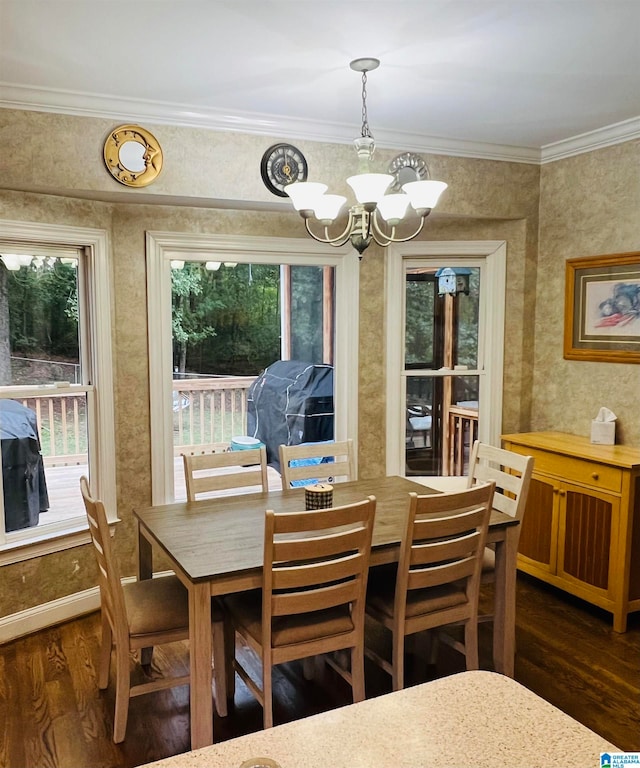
[[588, 527], [538, 534]]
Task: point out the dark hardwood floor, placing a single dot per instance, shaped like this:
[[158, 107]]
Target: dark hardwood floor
[[52, 715]]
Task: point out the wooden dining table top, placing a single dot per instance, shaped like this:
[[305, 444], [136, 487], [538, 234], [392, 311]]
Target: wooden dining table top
[[225, 535]]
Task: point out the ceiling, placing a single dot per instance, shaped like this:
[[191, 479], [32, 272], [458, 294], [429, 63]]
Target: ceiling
[[530, 80]]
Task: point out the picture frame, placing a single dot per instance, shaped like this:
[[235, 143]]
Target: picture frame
[[602, 308]]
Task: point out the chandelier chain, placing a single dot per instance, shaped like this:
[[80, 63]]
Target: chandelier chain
[[365, 123]]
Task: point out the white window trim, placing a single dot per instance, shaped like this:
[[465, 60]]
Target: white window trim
[[163, 247], [492, 317], [39, 541]]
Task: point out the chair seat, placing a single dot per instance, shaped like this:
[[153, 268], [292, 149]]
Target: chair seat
[[160, 605], [246, 610]]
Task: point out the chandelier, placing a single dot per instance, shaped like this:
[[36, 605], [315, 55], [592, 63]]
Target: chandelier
[[376, 215]]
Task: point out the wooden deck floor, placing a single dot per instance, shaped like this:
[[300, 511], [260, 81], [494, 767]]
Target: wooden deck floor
[[65, 501]]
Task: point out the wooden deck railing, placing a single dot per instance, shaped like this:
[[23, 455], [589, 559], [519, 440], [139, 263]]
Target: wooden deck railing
[[205, 411], [463, 431], [209, 411], [62, 427]]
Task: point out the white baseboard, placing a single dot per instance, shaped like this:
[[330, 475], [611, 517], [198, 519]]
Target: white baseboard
[[55, 612], [48, 614]]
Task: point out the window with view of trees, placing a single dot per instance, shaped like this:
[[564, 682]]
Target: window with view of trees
[[223, 308], [48, 377], [441, 335], [230, 321]]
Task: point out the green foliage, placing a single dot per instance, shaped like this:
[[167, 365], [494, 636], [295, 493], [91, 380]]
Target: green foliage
[[226, 321], [468, 315], [43, 313], [419, 331], [190, 309], [306, 313]]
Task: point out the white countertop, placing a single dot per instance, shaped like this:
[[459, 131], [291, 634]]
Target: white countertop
[[470, 720]]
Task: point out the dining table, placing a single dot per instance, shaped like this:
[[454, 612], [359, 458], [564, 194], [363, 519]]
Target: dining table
[[215, 547]]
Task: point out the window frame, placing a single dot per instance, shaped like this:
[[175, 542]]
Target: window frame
[[491, 256], [95, 307], [164, 247]]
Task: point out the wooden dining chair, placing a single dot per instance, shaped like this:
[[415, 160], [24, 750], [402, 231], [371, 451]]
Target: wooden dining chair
[[511, 473], [317, 462], [211, 473], [142, 614], [313, 594], [437, 579]]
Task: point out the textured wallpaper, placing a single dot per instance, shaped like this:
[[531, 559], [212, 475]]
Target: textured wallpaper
[[589, 206]]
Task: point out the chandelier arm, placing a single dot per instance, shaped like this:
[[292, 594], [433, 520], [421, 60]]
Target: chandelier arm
[[336, 241], [384, 239]]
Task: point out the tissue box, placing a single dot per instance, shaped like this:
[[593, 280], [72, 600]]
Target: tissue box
[[603, 432]]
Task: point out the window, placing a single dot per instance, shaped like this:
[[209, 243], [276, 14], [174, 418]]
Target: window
[[56, 409], [445, 355], [301, 270]]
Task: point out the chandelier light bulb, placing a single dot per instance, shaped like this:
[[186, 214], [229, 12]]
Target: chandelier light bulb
[[424, 194], [327, 207], [304, 194], [369, 187], [393, 208]]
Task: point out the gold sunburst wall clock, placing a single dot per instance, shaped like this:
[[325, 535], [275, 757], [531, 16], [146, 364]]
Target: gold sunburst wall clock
[[133, 155]]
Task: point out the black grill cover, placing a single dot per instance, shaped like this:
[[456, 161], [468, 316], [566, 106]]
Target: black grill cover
[[291, 402], [23, 480]]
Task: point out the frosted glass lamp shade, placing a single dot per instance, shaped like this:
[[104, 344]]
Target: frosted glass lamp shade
[[327, 207], [304, 194], [369, 187], [14, 261], [393, 208], [424, 194], [212, 265]]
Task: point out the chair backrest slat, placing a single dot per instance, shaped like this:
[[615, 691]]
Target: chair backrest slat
[[334, 544], [335, 569], [433, 552], [448, 525], [441, 574], [336, 462], [510, 471], [320, 599], [214, 472]]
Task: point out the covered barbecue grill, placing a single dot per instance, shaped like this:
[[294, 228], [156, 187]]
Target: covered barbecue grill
[[23, 479], [291, 402]]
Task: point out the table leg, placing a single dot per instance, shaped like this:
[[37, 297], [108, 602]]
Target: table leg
[[145, 557], [145, 571], [504, 619], [200, 650]]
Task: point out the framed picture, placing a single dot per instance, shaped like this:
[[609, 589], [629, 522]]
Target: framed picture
[[602, 308]]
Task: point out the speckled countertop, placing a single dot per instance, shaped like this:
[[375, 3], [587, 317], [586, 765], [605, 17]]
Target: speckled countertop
[[470, 720]]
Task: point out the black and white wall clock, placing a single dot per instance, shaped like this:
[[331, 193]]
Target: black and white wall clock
[[282, 164]]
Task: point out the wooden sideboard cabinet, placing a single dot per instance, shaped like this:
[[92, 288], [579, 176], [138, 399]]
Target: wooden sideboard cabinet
[[581, 526]]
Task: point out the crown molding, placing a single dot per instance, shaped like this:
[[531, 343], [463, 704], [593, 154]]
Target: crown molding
[[617, 133], [188, 116]]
